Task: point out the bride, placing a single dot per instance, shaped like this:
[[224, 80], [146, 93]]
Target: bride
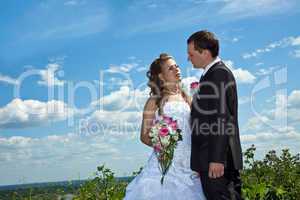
[[166, 97]]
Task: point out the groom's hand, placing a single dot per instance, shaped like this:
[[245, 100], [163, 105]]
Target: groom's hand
[[215, 170]]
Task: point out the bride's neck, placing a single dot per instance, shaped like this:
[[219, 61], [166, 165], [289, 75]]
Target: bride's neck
[[171, 90]]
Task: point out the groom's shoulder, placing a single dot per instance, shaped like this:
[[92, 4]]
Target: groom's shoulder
[[222, 68]]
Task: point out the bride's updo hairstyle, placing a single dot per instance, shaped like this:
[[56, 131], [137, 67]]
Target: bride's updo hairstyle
[[155, 84]]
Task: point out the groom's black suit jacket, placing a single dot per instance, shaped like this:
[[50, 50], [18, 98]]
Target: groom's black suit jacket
[[214, 121]]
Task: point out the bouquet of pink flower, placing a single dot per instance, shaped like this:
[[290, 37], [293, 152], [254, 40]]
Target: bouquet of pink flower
[[164, 136], [194, 87]]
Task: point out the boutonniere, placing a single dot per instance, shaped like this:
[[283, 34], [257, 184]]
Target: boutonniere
[[194, 87]]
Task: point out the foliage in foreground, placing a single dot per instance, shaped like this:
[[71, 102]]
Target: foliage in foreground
[[103, 186], [272, 178]]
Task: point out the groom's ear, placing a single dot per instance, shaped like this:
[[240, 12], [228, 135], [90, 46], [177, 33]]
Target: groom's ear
[[207, 53]]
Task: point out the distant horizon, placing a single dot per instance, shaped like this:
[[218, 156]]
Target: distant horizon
[[2, 187]]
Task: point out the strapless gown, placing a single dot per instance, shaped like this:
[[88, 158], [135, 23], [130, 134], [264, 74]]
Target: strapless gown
[[180, 182]]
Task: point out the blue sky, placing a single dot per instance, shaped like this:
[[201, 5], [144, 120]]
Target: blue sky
[[73, 84]]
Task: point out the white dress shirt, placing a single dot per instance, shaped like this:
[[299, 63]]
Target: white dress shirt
[[217, 59]]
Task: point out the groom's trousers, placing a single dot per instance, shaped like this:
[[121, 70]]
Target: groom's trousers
[[226, 187]]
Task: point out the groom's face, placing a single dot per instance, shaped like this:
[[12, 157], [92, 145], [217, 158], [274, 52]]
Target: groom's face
[[197, 59]]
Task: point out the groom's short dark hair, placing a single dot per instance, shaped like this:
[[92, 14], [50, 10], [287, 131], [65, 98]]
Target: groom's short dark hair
[[205, 40]]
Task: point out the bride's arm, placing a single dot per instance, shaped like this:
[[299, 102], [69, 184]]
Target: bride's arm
[[148, 117], [189, 100]]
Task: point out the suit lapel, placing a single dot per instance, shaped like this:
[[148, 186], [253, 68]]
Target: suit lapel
[[209, 70]]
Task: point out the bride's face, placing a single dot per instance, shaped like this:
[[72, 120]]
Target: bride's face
[[170, 71]]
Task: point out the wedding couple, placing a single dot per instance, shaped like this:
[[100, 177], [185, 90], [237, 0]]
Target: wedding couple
[[207, 161]]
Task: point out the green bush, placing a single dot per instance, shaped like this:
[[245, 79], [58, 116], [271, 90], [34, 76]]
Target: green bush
[[103, 186], [274, 177]]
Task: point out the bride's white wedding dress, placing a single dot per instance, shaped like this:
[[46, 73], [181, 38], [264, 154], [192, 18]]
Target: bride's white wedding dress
[[180, 181]]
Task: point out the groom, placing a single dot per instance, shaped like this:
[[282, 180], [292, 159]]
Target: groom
[[216, 149]]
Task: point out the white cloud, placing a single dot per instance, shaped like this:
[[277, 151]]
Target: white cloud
[[26, 113], [294, 116], [294, 41], [256, 123], [195, 12], [235, 39], [121, 82], [52, 157], [9, 80], [132, 58], [106, 136], [74, 3], [48, 75], [296, 53], [249, 55], [287, 107], [283, 43], [242, 75], [280, 112], [259, 64], [125, 98], [116, 117], [244, 100], [273, 128], [248, 8], [294, 106], [60, 147], [127, 67], [294, 99], [271, 136], [112, 124], [264, 72], [118, 114], [141, 69]]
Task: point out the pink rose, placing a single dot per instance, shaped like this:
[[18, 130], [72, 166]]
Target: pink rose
[[163, 131], [194, 85], [167, 119], [174, 125], [157, 148]]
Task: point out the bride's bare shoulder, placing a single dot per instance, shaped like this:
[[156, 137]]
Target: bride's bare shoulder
[[150, 104]]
